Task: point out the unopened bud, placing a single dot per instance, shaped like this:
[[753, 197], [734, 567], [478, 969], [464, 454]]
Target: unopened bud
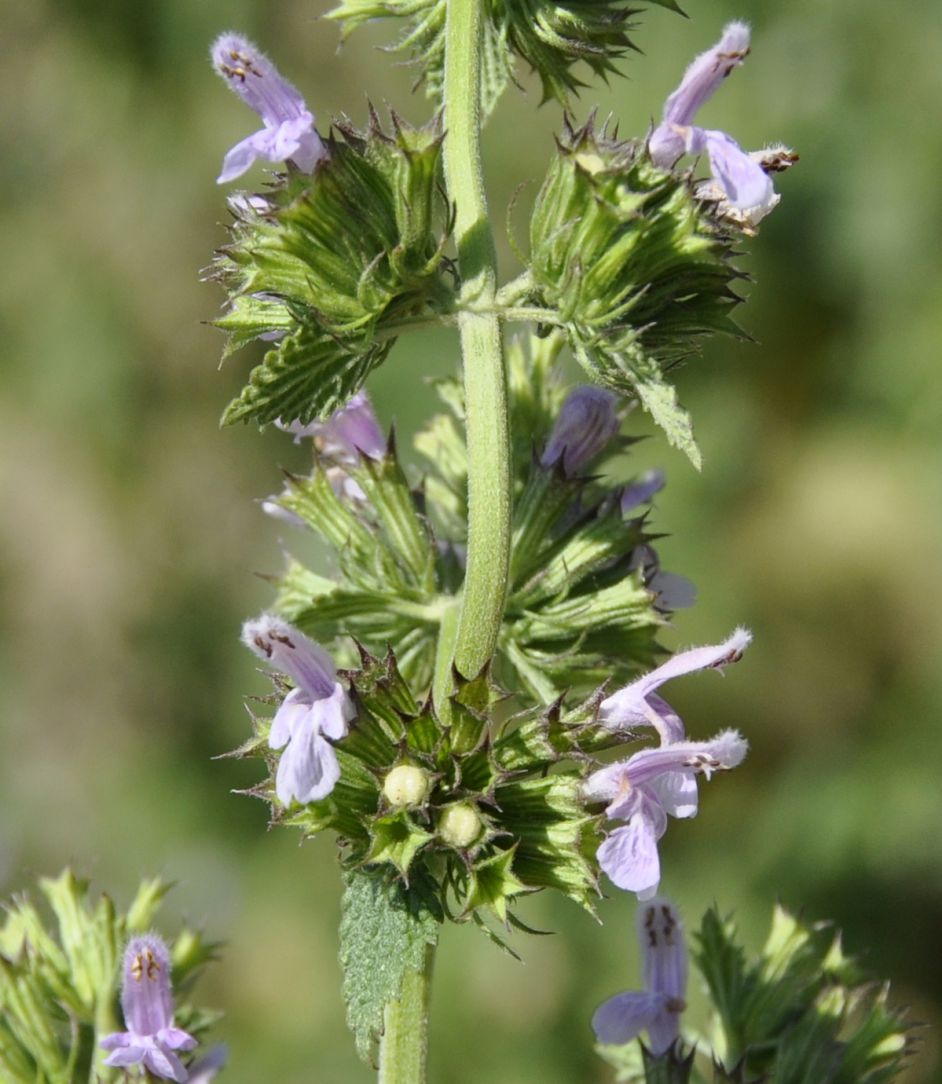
[[406, 785], [460, 825]]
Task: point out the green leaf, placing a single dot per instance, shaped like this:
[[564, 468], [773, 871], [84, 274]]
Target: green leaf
[[308, 375], [660, 400], [384, 934]]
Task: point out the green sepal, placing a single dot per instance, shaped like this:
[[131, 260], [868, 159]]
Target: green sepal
[[546, 496], [88, 938], [600, 539], [26, 1015], [634, 1063], [532, 741], [554, 836], [146, 902], [396, 839], [470, 706], [313, 499], [383, 690], [492, 884], [347, 810]]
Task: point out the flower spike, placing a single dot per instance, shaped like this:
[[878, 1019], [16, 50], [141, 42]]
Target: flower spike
[[288, 133]]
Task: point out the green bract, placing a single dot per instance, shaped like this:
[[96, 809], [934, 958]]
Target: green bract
[[636, 266], [332, 266], [552, 38]]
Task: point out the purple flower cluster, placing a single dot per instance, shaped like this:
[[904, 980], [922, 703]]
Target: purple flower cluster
[[316, 710], [288, 132], [657, 1008], [660, 781], [742, 185], [147, 1003]]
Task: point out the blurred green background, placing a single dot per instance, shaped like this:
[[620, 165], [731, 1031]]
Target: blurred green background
[[131, 530]]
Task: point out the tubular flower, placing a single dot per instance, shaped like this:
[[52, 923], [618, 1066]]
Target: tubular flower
[[587, 422], [147, 1004], [657, 1008], [643, 791], [638, 704], [317, 709], [288, 133], [745, 188]]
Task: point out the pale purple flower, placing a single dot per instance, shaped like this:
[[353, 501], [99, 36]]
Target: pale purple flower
[[700, 81], [317, 708], [288, 133], [587, 421], [644, 790], [657, 1008], [642, 489], [147, 1004], [638, 704], [746, 187], [348, 433]]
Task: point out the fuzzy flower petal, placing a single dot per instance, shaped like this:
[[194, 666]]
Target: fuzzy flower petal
[[629, 856], [318, 709], [657, 1008], [644, 791], [308, 768], [633, 705], [703, 76], [147, 1005], [746, 184], [288, 132], [741, 185], [624, 1016], [642, 489], [348, 433]]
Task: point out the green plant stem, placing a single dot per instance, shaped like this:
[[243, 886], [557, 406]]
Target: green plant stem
[[485, 381], [443, 680], [404, 1046]]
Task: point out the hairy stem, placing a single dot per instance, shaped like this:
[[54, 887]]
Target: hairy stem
[[403, 1049], [485, 381]]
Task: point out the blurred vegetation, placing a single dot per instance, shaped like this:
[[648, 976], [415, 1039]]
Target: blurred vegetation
[[131, 528]]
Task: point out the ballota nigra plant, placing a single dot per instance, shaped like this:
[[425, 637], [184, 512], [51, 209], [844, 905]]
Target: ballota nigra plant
[[471, 703]]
